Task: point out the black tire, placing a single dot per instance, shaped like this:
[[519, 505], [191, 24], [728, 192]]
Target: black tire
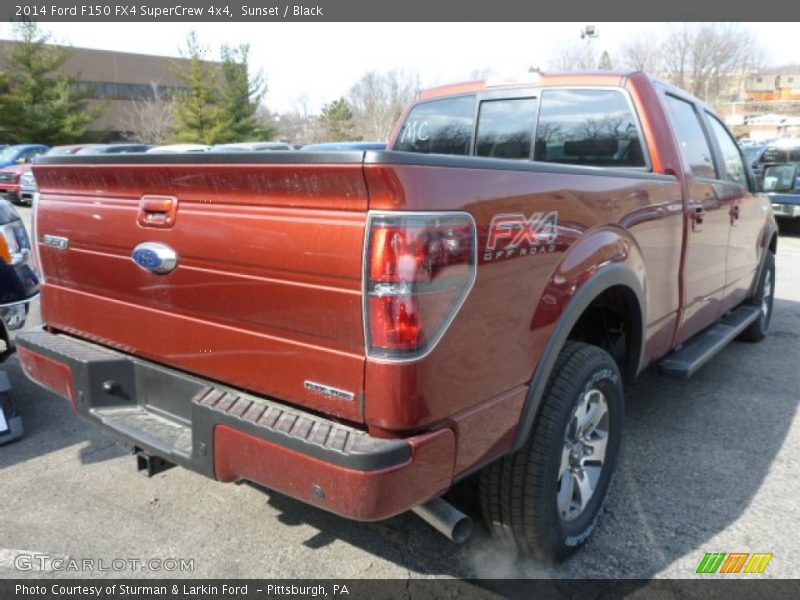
[[763, 298], [518, 493]]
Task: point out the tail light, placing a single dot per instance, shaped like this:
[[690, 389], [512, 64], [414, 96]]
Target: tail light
[[14, 244], [37, 259], [419, 270]]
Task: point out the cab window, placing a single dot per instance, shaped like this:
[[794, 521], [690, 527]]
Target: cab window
[[733, 164], [439, 126], [505, 128], [588, 127]]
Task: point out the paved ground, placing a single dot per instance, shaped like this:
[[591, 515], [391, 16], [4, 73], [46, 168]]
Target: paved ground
[[708, 465]]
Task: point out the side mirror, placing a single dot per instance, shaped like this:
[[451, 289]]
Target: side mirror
[[780, 178]]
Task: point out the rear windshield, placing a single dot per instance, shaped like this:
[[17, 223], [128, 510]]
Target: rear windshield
[[595, 127], [439, 126]]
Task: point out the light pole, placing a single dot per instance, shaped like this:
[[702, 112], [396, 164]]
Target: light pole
[[589, 33]]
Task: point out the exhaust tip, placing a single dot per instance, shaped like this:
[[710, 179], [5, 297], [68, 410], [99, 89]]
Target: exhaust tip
[[462, 530], [446, 519]]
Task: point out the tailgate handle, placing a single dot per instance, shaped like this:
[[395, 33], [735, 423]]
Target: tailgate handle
[[157, 211]]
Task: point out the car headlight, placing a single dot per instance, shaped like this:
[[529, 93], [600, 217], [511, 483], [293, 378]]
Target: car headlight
[[28, 180], [14, 243]]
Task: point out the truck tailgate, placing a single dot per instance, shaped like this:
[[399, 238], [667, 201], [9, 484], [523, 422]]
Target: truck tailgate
[[266, 295]]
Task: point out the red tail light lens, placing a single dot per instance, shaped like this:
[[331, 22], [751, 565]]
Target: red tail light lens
[[419, 269]]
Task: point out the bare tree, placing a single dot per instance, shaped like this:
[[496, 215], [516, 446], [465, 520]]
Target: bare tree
[[711, 59], [299, 126], [150, 120], [378, 99], [480, 74], [574, 56], [641, 53]]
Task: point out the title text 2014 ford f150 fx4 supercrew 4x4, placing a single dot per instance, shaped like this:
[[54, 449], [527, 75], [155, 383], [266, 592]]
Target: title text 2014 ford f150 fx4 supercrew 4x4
[[360, 330]]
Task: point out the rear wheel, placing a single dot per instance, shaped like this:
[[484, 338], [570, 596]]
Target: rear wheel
[[544, 500], [763, 299]]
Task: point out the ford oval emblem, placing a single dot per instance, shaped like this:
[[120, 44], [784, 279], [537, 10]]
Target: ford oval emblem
[[155, 257]]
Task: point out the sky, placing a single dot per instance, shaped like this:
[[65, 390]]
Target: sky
[[315, 63]]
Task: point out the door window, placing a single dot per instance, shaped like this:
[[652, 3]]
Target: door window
[[733, 165], [691, 139]]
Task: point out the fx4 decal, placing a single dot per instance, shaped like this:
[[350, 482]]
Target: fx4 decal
[[514, 234]]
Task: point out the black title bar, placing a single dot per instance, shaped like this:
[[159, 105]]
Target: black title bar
[[274, 11]]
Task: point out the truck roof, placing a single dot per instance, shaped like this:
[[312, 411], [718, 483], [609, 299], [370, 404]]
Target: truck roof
[[599, 78]]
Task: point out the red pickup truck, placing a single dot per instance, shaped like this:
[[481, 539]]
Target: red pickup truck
[[360, 330]]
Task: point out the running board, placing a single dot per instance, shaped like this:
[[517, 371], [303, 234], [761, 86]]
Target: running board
[[686, 361]]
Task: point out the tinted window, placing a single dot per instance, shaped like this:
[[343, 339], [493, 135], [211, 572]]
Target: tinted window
[[588, 127], [691, 139], [440, 126], [732, 159], [774, 154], [794, 154], [505, 128]]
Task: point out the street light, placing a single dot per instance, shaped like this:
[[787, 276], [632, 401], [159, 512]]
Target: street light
[[590, 32]]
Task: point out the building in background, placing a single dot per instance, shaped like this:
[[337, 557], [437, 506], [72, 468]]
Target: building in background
[[774, 85], [118, 80]]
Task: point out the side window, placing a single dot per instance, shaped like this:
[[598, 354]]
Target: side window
[[505, 128], [588, 127], [439, 126], [691, 139], [732, 158]]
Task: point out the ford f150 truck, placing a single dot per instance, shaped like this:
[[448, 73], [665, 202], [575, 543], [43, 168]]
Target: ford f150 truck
[[360, 330]]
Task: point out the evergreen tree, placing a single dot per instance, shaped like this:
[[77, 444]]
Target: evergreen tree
[[37, 102], [199, 117], [605, 61], [337, 123], [240, 97], [221, 101]]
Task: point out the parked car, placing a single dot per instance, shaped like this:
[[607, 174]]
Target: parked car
[[360, 332], [19, 285], [782, 184], [69, 149], [752, 153], [113, 149], [10, 182], [252, 147], [773, 153], [20, 154], [19, 281], [27, 187], [174, 148], [344, 146]]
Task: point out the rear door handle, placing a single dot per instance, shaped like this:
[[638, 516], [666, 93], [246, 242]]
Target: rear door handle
[[697, 215], [734, 214], [157, 211]]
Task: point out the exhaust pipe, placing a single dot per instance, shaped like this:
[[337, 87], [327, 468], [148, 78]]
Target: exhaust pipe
[[446, 519]]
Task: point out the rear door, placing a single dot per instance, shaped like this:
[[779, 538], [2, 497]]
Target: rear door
[[266, 291], [708, 221], [747, 214]]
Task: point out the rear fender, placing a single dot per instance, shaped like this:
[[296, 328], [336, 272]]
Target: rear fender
[[600, 260]]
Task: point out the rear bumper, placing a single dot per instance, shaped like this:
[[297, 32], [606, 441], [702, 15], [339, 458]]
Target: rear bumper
[[232, 436]]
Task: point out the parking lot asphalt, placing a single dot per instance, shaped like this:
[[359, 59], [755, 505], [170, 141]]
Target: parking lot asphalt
[[708, 465]]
